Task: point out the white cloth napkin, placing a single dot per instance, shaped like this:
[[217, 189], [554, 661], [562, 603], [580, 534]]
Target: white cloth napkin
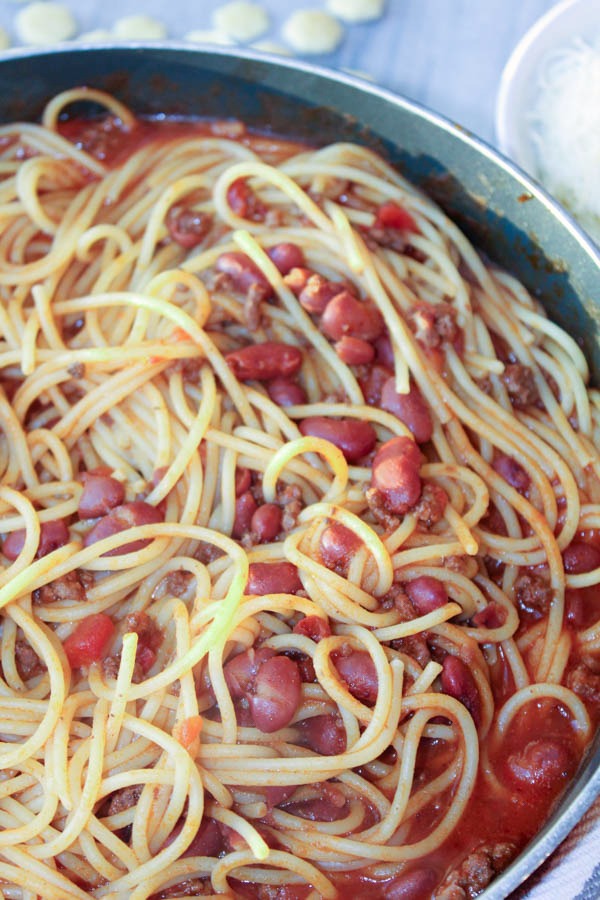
[[573, 870]]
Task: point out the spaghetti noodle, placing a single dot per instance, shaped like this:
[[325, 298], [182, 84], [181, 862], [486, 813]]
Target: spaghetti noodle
[[299, 513]]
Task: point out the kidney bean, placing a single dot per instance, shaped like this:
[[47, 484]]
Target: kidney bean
[[285, 392], [273, 578], [372, 384], [426, 594], [392, 215], [100, 494], [277, 694], [266, 522], [409, 408], [580, 557], [241, 670], [413, 885], [305, 666], [243, 714], [243, 480], [242, 271], [353, 437], [324, 734], [274, 795], [263, 362], [317, 292], [395, 474], [245, 507], [53, 535], [120, 519], [319, 809], [244, 202], [542, 763], [208, 840], [286, 256], [357, 671], [354, 351], [97, 470], [337, 546], [385, 352], [458, 682], [187, 227], [314, 627], [576, 608], [512, 472], [346, 315]]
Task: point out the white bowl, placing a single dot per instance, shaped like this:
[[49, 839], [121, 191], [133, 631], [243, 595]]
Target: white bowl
[[558, 27]]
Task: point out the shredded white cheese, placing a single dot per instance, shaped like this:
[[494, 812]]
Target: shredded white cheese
[[566, 130]]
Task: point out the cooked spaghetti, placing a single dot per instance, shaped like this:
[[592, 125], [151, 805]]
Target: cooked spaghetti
[[299, 512]]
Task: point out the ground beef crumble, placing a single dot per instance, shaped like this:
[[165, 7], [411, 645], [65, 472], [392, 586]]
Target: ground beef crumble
[[255, 297], [520, 384], [289, 498], [475, 872], [124, 799], [533, 594], [67, 587], [150, 637], [415, 646], [434, 324], [585, 683], [431, 505], [174, 584], [207, 553], [27, 661], [376, 502]]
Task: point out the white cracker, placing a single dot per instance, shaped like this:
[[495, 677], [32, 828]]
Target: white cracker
[[45, 23], [359, 73], [312, 31], [241, 20], [208, 36], [272, 47], [139, 28], [356, 10], [96, 36]]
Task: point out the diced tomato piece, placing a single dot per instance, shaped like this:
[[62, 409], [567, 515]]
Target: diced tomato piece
[[391, 215], [180, 334], [187, 732], [90, 640]]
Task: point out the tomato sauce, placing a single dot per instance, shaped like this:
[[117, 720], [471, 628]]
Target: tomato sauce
[[112, 143]]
